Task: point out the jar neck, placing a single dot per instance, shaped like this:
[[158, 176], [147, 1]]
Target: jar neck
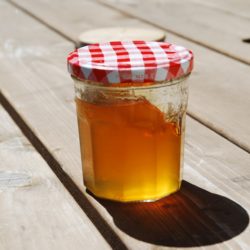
[[129, 85]]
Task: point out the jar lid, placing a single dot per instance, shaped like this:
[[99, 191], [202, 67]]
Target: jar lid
[[130, 61]]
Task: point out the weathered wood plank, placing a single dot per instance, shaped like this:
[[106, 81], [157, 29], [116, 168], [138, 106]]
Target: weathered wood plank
[[218, 98], [82, 14], [210, 27], [35, 207], [190, 218], [232, 7]]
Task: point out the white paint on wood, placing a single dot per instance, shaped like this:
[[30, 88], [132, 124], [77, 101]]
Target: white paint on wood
[[14, 179]]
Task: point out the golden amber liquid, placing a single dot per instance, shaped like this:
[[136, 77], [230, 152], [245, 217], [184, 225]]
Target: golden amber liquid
[[129, 152]]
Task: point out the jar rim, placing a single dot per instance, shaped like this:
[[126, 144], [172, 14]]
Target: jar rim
[[99, 85]]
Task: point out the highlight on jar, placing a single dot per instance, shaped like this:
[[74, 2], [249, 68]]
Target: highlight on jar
[[131, 100]]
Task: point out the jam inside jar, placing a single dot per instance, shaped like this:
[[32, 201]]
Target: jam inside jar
[[132, 139]]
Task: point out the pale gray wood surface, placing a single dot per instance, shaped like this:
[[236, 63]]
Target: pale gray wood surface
[[42, 93], [203, 24], [219, 87], [232, 7], [83, 14], [36, 211]]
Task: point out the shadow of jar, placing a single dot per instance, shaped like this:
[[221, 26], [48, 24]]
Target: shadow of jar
[[191, 217]]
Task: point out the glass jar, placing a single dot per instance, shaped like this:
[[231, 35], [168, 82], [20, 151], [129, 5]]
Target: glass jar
[[131, 137]]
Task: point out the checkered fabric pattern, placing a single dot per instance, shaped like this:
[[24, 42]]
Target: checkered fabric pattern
[[130, 61]]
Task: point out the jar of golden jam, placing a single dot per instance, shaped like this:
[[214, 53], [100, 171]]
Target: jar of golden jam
[[131, 100]]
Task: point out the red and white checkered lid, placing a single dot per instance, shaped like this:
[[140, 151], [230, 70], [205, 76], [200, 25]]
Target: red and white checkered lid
[[130, 61]]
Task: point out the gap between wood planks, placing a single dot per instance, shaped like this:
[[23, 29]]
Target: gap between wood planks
[[226, 10], [103, 227], [26, 113], [68, 38], [129, 15], [126, 13], [133, 16], [193, 116]]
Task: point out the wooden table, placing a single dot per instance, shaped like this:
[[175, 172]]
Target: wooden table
[[43, 203]]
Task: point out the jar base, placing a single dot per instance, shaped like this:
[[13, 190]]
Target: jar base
[[152, 199]]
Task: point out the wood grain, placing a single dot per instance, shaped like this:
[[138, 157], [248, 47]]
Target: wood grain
[[232, 7], [47, 115], [202, 24], [84, 16], [218, 99], [35, 207]]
